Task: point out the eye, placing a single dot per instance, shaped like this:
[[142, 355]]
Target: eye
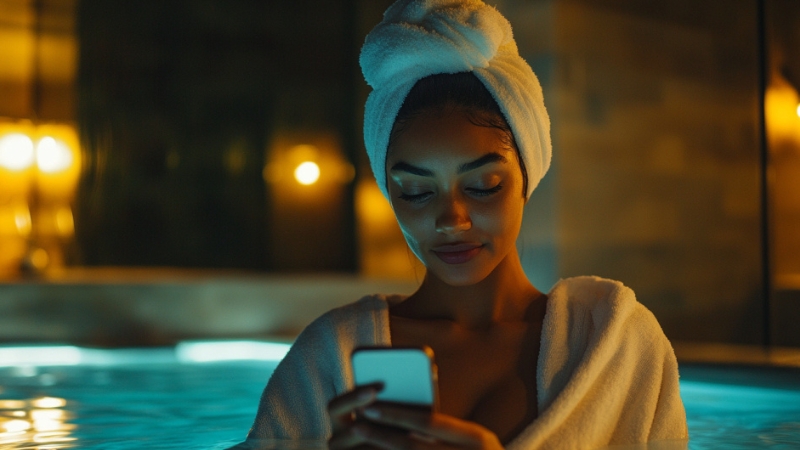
[[416, 198], [485, 192]]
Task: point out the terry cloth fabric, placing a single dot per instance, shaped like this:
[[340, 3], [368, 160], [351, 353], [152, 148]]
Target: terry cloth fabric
[[606, 373], [418, 38]]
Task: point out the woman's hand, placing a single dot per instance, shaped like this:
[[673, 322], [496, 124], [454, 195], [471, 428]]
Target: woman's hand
[[342, 412], [390, 426]]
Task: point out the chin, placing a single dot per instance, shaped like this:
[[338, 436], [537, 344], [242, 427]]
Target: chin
[[460, 275]]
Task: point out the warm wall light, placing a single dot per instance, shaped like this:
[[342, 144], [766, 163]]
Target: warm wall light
[[39, 170], [798, 110], [40, 158], [309, 164], [53, 155], [781, 103], [16, 151], [307, 173]]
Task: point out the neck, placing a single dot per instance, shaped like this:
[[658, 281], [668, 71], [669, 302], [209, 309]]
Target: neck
[[504, 296]]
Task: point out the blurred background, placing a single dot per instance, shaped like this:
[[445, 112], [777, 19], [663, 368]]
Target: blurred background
[[176, 169]]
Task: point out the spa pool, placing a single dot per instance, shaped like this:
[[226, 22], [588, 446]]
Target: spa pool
[[204, 396]]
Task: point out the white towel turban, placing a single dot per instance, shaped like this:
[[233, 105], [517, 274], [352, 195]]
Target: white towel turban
[[419, 38]]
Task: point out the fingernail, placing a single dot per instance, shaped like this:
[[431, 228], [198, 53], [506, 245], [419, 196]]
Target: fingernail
[[372, 413]]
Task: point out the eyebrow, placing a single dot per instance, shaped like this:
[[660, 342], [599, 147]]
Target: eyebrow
[[466, 167]]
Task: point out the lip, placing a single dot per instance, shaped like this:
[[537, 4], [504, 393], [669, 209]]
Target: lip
[[457, 253]]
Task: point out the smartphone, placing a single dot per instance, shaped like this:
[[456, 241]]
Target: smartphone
[[409, 375]]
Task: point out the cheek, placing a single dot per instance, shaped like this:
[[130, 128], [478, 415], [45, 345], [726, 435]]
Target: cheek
[[413, 230], [411, 223], [502, 220]]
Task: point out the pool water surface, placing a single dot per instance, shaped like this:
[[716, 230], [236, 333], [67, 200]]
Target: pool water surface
[[162, 406], [157, 401]]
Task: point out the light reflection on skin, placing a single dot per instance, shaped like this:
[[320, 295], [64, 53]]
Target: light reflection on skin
[[38, 420]]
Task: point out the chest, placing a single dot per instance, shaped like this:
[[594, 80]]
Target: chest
[[486, 377]]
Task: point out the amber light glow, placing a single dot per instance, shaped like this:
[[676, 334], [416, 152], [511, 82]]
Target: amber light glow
[[782, 105], [53, 156], [39, 171], [16, 151], [307, 173], [308, 165]]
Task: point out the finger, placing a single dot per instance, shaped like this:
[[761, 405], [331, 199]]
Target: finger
[[361, 435], [439, 426], [351, 437], [341, 408], [371, 435]]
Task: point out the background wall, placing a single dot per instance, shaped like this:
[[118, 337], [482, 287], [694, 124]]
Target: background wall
[[184, 104], [193, 115], [783, 158], [656, 176]]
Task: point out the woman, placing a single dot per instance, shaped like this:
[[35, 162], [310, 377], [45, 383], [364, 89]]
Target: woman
[[458, 138]]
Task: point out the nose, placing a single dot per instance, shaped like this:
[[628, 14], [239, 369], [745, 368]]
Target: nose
[[453, 217]]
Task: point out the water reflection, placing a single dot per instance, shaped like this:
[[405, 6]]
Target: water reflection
[[49, 402], [38, 423]]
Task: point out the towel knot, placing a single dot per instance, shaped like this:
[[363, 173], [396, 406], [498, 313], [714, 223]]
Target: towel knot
[[431, 37], [419, 38]]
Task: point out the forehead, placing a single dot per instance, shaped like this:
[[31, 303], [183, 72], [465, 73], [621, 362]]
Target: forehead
[[445, 138]]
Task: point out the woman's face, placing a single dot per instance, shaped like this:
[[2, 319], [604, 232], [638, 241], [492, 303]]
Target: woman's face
[[456, 190]]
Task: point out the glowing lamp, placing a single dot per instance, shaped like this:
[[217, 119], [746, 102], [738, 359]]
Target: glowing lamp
[[39, 171], [307, 173], [53, 155], [16, 151]]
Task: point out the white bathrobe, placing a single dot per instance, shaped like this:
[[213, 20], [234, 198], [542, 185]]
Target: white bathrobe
[[606, 373]]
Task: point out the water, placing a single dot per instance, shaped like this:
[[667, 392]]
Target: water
[[741, 408], [132, 407], [157, 401]]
